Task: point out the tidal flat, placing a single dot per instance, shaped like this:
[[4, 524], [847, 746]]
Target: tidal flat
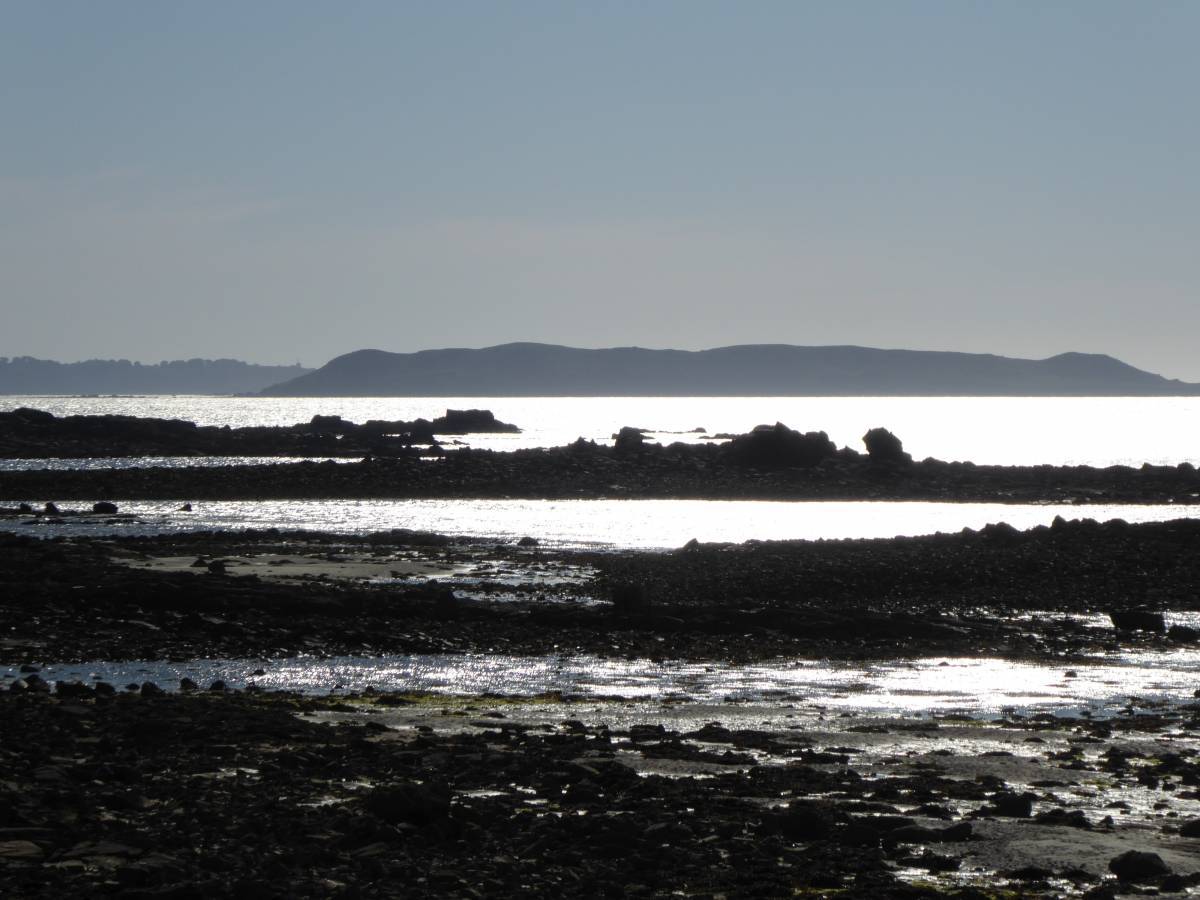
[[133, 770]]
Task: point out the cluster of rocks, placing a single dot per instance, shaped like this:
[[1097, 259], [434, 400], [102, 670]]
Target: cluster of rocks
[[34, 433], [995, 592], [770, 463], [146, 794]]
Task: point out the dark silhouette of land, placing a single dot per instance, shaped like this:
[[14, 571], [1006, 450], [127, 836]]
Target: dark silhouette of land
[[533, 370], [32, 432], [27, 375]]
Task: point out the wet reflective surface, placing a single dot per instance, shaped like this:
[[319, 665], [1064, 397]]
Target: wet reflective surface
[[641, 524], [937, 685], [165, 462]]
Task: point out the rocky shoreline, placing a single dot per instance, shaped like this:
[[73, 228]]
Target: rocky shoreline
[[211, 793], [769, 463], [182, 790], [32, 433], [995, 592], [593, 472], [187, 791]]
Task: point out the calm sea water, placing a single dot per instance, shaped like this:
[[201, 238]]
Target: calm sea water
[[1097, 431], [641, 524]]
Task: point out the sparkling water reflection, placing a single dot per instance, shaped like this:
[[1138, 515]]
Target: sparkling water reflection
[[641, 524], [164, 462], [976, 686]]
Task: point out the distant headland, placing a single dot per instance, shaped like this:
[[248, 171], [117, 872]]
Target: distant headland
[[28, 375], [535, 370]]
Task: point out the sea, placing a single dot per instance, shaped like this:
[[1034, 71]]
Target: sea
[[1093, 431], [1062, 431]]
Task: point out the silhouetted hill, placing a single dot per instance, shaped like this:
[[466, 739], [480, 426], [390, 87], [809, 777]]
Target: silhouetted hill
[[531, 370], [27, 375]]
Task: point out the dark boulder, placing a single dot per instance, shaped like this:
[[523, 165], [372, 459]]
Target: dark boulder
[[1139, 619], [1138, 865], [1190, 829], [629, 439], [885, 447], [1000, 533], [1066, 818], [471, 421], [1184, 634], [104, 507], [72, 689], [412, 804], [330, 425], [808, 820], [1013, 805], [777, 446]]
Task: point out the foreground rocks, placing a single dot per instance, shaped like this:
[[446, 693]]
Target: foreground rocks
[[143, 794]]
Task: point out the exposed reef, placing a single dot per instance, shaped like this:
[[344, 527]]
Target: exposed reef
[[769, 463], [28, 433], [995, 592]]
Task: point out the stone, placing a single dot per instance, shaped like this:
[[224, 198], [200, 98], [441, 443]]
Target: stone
[[527, 542], [1138, 865], [34, 682], [104, 507], [777, 446], [885, 447], [187, 685], [471, 421], [71, 689], [807, 821], [1070, 819], [413, 804], [1138, 619], [1190, 829], [629, 439], [1017, 806]]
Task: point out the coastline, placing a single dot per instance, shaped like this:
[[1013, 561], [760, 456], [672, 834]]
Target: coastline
[[176, 790], [593, 472]]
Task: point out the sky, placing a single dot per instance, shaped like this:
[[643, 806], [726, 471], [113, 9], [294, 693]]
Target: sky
[[289, 181]]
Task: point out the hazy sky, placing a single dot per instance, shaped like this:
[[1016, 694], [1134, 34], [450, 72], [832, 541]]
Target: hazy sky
[[282, 181]]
